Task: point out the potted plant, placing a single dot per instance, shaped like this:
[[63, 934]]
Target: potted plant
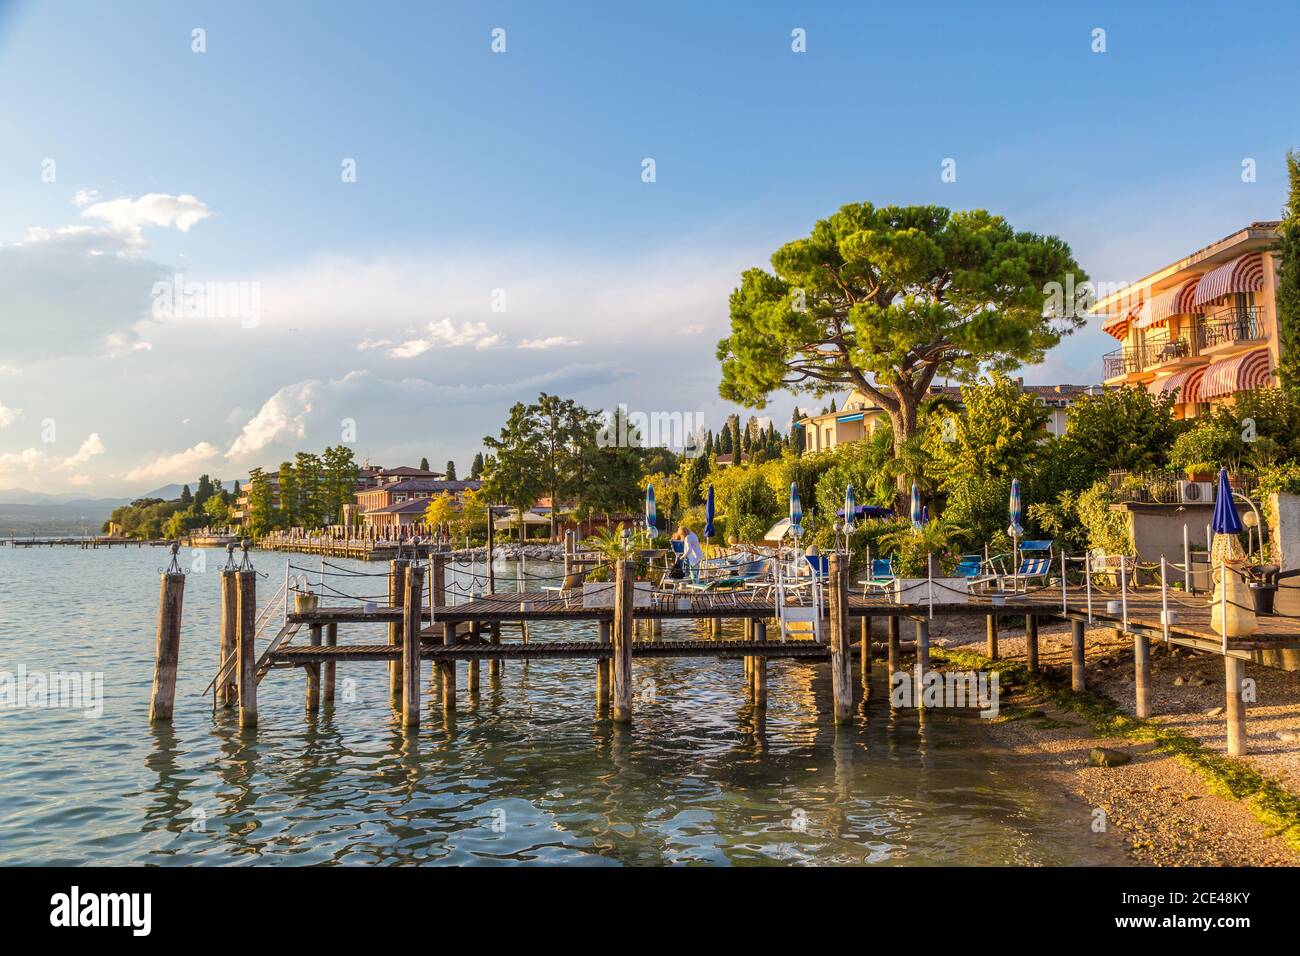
[[925, 559], [613, 545]]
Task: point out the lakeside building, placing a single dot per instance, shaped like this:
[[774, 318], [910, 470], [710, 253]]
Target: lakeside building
[[859, 416], [1203, 328], [398, 503]]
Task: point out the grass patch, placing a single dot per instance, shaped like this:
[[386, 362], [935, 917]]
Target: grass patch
[[1270, 801]]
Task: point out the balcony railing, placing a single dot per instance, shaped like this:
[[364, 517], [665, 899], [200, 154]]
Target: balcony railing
[[1159, 351], [1121, 362], [1231, 325]]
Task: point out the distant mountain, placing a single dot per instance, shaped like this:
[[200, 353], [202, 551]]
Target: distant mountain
[[173, 491], [65, 517], [21, 496]]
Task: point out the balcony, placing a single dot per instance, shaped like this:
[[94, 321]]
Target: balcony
[[1230, 326], [1121, 362], [1158, 352]]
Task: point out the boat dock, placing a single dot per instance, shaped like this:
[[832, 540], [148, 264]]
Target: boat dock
[[456, 624]]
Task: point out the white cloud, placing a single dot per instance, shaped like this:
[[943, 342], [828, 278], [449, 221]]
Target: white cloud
[[129, 216], [8, 416], [553, 341], [178, 466], [21, 460], [283, 415], [84, 197], [91, 447], [80, 481], [441, 334]]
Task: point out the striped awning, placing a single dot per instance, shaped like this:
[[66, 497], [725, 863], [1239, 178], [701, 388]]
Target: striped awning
[[1179, 300], [1241, 373], [1187, 382], [1242, 274], [1116, 324]]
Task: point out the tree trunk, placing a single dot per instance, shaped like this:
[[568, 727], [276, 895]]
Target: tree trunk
[[903, 422]]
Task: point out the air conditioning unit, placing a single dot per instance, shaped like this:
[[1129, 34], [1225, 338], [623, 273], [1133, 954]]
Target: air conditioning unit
[[1196, 492]]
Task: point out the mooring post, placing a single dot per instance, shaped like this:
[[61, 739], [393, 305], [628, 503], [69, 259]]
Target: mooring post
[[1077, 680], [841, 658], [1031, 641], [1234, 672], [494, 668], [312, 670], [171, 594], [1142, 674], [411, 646], [226, 693], [244, 638], [447, 670], [758, 671], [991, 637], [621, 664], [396, 598], [327, 669], [892, 646]]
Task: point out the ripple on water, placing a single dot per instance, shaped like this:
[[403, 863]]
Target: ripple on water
[[526, 776]]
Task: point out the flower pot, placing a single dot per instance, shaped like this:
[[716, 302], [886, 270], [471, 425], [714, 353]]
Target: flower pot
[[1232, 603], [918, 590]]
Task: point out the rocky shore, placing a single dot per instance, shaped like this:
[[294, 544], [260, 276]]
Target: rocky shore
[[512, 552], [1166, 783]]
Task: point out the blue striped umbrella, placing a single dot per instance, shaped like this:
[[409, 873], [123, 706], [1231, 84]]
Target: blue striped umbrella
[[796, 511], [917, 517], [708, 515], [1017, 511], [650, 516], [850, 509], [1226, 519]]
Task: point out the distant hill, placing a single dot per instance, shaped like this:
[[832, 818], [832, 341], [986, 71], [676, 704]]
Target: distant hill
[[70, 517]]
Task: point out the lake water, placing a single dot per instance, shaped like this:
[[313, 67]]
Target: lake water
[[525, 775]]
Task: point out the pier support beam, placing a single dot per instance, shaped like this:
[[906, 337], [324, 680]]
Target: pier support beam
[[171, 594], [864, 629], [1031, 642], [396, 596], [602, 669], [922, 646], [471, 665], [227, 693], [1077, 680], [841, 659], [892, 647], [312, 672], [1142, 674], [447, 671], [1234, 672], [991, 637], [758, 672], [411, 647], [494, 667], [246, 676], [327, 669], [621, 664]]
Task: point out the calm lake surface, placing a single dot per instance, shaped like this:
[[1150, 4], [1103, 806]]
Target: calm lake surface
[[526, 775]]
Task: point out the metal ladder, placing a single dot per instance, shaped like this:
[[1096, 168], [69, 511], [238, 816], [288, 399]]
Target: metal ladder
[[278, 603]]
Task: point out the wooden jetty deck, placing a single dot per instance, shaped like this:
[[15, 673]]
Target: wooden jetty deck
[[471, 629], [86, 542]]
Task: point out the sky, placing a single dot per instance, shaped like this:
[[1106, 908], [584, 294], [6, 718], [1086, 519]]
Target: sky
[[399, 231]]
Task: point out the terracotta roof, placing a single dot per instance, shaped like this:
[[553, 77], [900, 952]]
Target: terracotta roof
[[435, 485]]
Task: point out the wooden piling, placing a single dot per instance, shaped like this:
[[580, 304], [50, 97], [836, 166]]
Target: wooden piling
[[892, 648], [447, 671], [1031, 642], [494, 668], [621, 664], [991, 636], [227, 693], [327, 668], [244, 641], [396, 597], [864, 631], [922, 646], [411, 646], [171, 595], [471, 665], [1142, 674], [1078, 681], [602, 668], [312, 671], [758, 672], [841, 658], [1234, 672]]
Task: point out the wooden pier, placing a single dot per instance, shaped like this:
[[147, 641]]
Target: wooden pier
[[472, 631], [89, 542]]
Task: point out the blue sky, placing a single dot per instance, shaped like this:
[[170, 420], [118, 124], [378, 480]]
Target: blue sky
[[521, 172]]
